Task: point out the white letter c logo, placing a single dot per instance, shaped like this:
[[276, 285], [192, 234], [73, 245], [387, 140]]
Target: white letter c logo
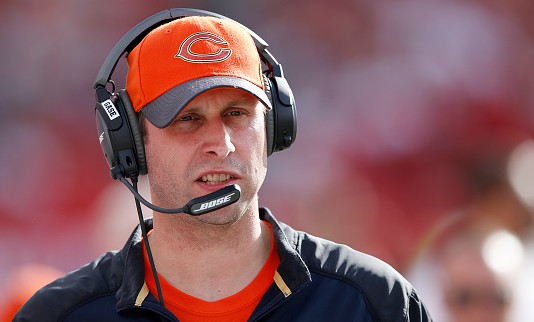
[[186, 54]]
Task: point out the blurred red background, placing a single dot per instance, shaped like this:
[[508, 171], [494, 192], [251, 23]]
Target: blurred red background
[[407, 112]]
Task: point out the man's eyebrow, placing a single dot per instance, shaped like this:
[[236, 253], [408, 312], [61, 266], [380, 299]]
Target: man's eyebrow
[[236, 102]]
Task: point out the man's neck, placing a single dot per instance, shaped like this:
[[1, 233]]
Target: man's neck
[[209, 261]]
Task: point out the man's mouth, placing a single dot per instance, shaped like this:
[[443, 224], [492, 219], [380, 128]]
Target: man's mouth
[[216, 178]]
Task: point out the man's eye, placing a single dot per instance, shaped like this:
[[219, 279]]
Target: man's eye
[[186, 118], [235, 113]]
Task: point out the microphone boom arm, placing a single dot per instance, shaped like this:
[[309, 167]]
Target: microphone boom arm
[[195, 207]]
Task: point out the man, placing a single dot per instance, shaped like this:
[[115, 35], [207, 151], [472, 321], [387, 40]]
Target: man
[[197, 85], [472, 288]]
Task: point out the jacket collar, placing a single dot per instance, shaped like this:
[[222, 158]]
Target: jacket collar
[[292, 268], [134, 272], [292, 272]]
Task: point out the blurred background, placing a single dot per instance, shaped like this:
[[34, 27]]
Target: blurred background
[[415, 122]]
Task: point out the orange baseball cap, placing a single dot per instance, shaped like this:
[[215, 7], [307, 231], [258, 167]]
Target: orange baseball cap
[[186, 57]]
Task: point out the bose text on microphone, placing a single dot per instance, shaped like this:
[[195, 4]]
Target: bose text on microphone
[[213, 201]]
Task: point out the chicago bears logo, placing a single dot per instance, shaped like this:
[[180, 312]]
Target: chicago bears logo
[[188, 55]]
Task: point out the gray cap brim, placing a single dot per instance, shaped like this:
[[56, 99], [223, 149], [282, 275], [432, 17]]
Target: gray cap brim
[[164, 109]]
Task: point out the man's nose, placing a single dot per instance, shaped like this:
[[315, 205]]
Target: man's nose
[[218, 139]]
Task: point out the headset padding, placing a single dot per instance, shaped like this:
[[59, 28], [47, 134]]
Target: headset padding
[[269, 116], [135, 131]]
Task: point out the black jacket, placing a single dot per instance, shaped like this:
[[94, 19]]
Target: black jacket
[[317, 280]]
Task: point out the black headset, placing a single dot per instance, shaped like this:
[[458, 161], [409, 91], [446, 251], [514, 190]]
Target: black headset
[[118, 124]]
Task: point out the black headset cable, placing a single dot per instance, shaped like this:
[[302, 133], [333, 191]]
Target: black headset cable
[[147, 245]]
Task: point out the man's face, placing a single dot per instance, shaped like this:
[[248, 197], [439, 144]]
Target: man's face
[[472, 291], [217, 140]]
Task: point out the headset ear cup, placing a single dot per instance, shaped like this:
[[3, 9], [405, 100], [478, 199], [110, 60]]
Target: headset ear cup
[[135, 131], [285, 114], [269, 116]]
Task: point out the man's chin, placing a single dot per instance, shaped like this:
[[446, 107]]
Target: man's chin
[[226, 216]]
